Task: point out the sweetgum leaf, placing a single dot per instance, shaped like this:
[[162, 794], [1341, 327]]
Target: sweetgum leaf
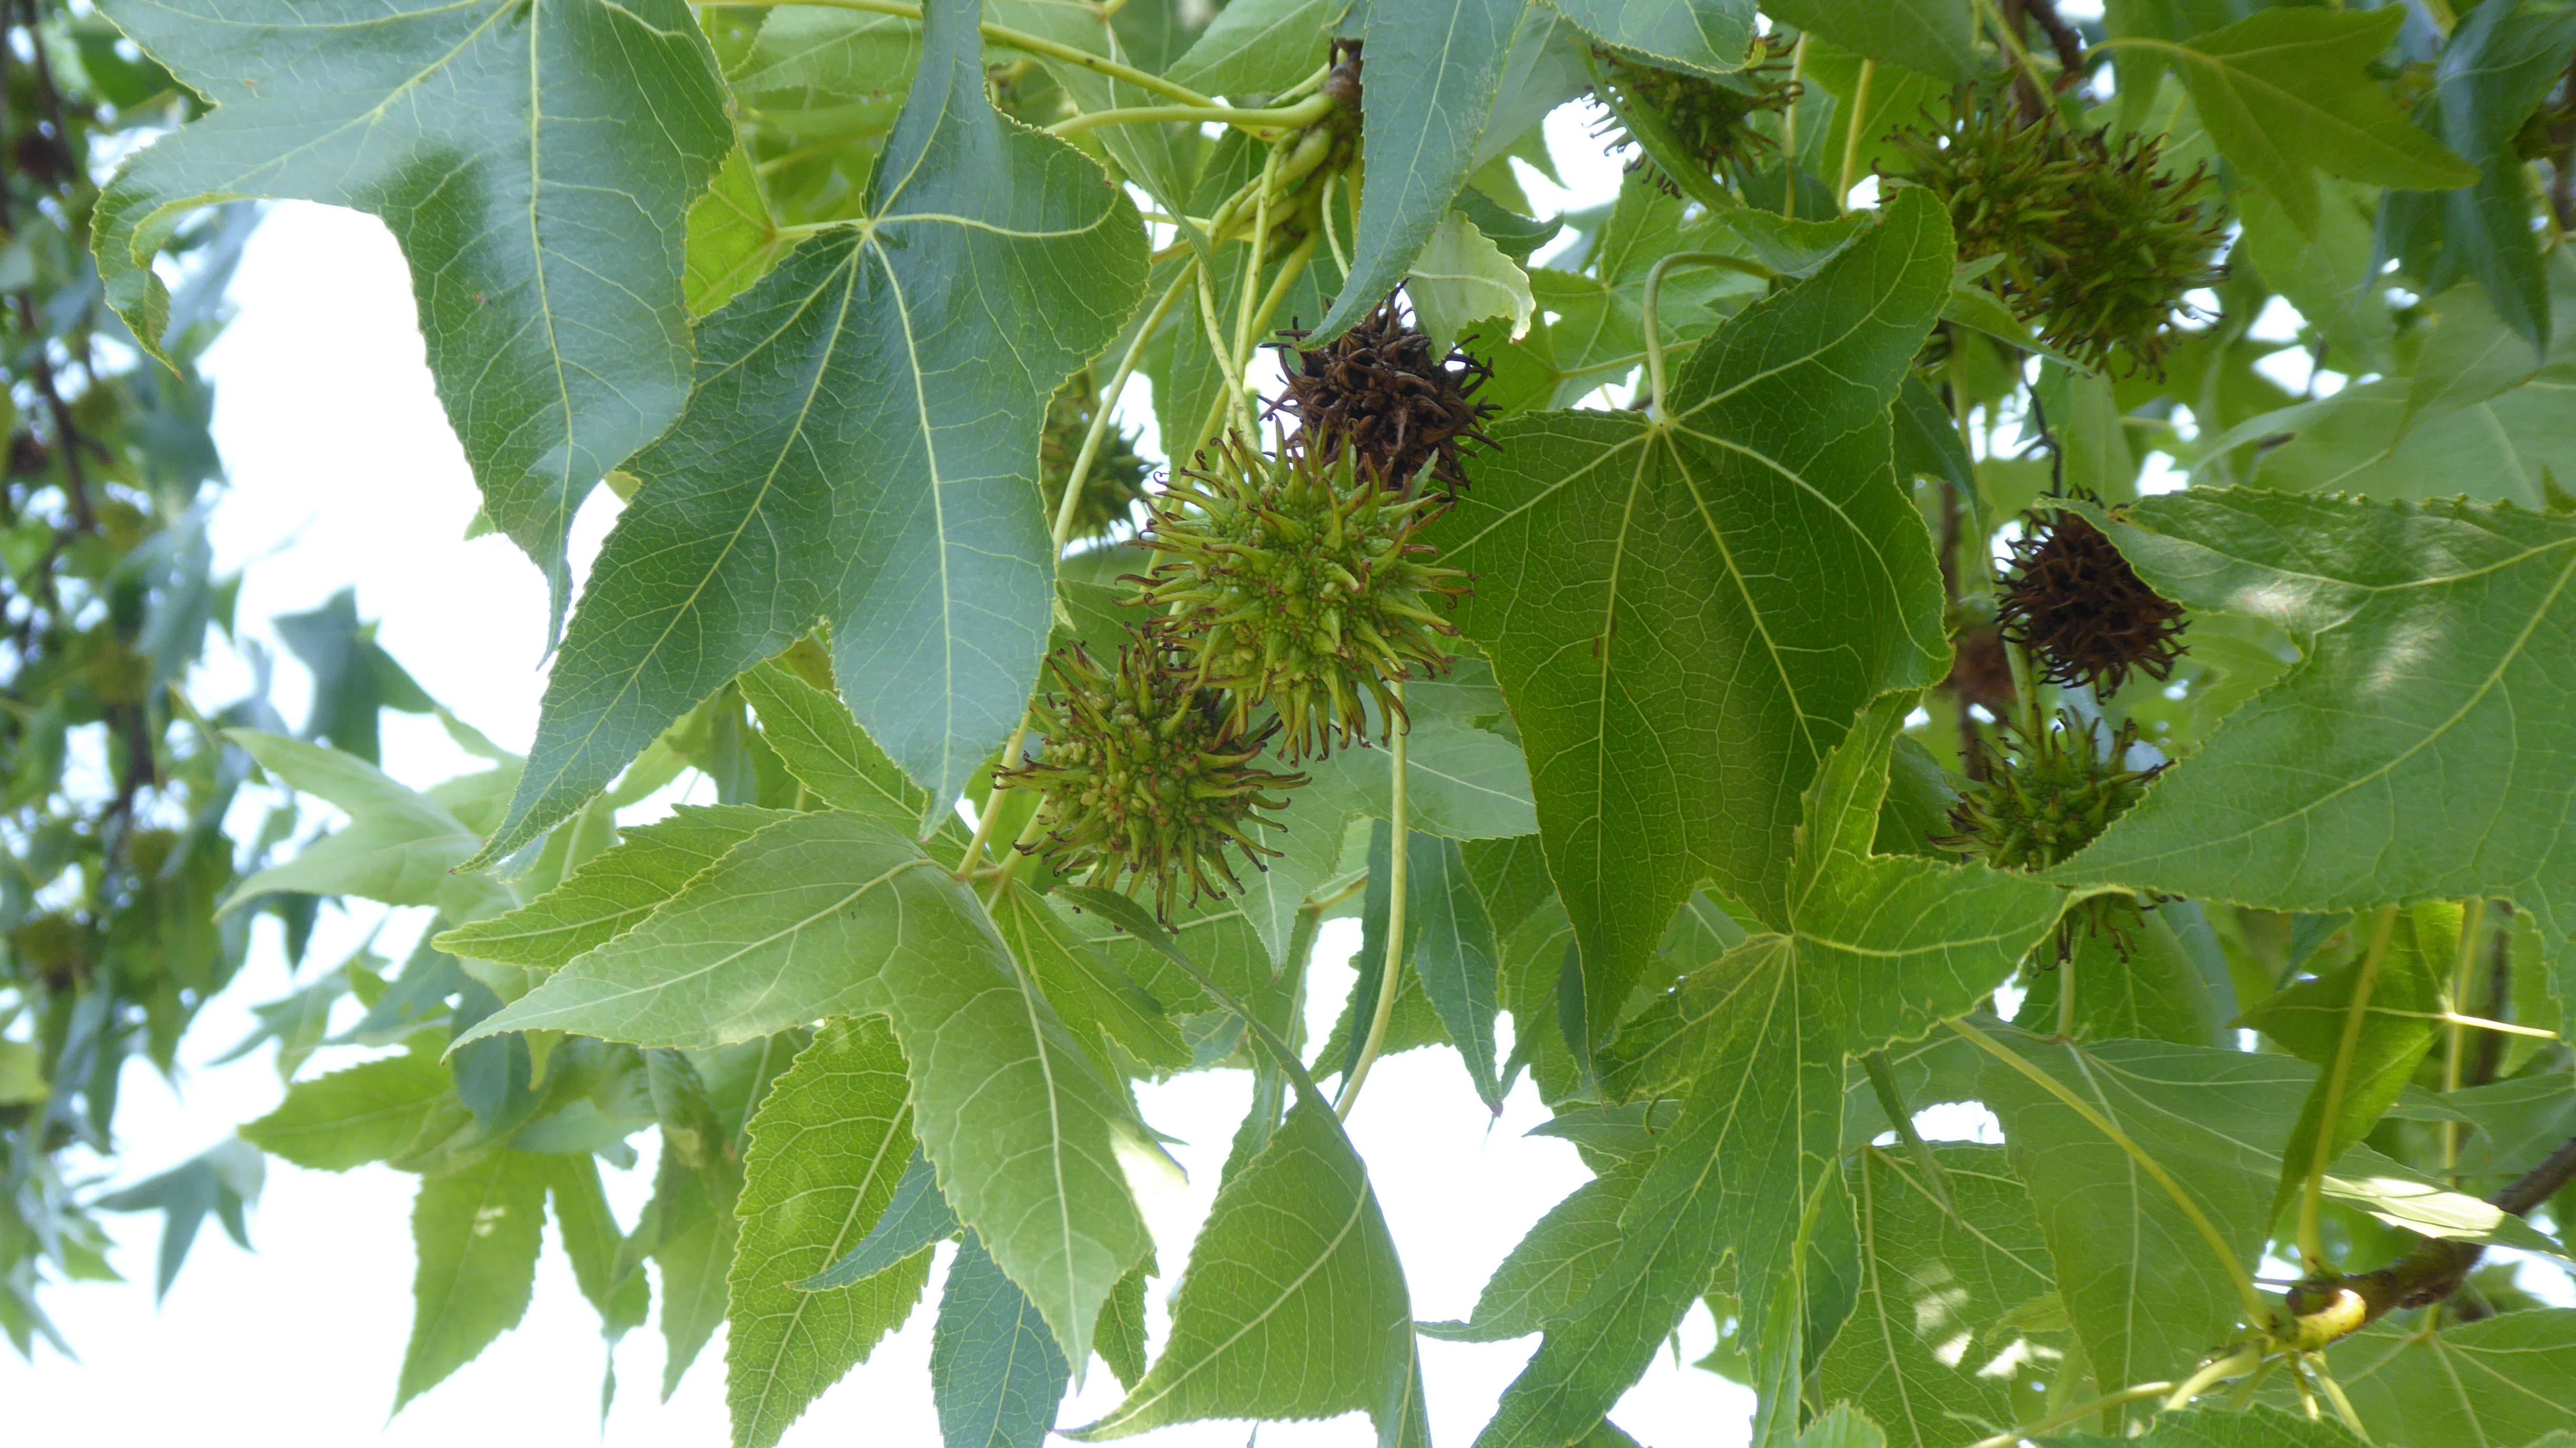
[[2417, 751], [535, 158], [827, 1149], [400, 846], [792, 925], [1878, 949], [2503, 1379], [1294, 1304], [995, 1375], [1931, 37], [477, 1232], [614, 891], [1706, 36], [826, 749], [348, 1118], [861, 450], [2396, 1031], [2284, 94], [1931, 1350], [1686, 616], [1433, 69], [2139, 1282]]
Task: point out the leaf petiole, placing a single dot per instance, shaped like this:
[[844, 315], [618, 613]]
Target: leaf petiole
[[1395, 889], [1285, 118], [1650, 322], [2321, 1155], [2012, 1437]]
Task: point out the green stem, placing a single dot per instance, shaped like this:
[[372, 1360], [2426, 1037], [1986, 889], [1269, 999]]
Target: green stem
[[1286, 118], [1653, 297], [1289, 270], [2472, 918], [1788, 155], [2256, 1310], [1401, 824], [2216, 1370], [2066, 997], [1853, 136], [2010, 1437], [1002, 35], [1239, 356], [2338, 1076], [1108, 396]]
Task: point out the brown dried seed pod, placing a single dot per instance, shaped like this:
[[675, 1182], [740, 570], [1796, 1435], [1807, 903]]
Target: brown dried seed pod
[[2079, 608], [1378, 394]]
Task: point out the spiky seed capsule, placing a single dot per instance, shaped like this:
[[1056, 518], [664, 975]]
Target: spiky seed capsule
[[1289, 582], [2097, 244], [2079, 608], [1143, 777], [1117, 476], [1378, 396], [2046, 797], [1710, 122]]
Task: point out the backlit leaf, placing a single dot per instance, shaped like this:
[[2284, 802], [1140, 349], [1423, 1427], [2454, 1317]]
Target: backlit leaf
[[535, 158], [861, 451], [1685, 617], [827, 1149]]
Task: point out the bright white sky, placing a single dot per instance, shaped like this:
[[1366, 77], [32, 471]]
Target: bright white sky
[[344, 472]]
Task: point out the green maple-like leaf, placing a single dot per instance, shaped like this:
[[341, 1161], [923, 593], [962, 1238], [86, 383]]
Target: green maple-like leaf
[[1294, 1304], [2502, 1379], [996, 1377], [861, 451], [535, 158], [477, 1231], [2420, 748], [1686, 615], [348, 1118], [1933, 1348], [400, 846], [1931, 37], [2284, 95], [1707, 36], [1433, 68], [828, 1146], [612, 892], [792, 925], [1877, 949]]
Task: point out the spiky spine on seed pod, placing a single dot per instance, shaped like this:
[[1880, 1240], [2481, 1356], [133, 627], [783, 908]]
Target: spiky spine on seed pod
[[2084, 615], [2097, 244], [1144, 776], [1117, 476], [1709, 122], [1378, 395], [1297, 582]]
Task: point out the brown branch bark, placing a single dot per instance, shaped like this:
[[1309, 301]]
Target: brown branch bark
[[2433, 1269]]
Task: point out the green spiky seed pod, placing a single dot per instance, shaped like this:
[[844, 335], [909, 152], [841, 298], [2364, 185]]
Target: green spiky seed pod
[[1117, 476], [2096, 243], [2046, 797], [1706, 123], [1143, 777], [1297, 583]]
